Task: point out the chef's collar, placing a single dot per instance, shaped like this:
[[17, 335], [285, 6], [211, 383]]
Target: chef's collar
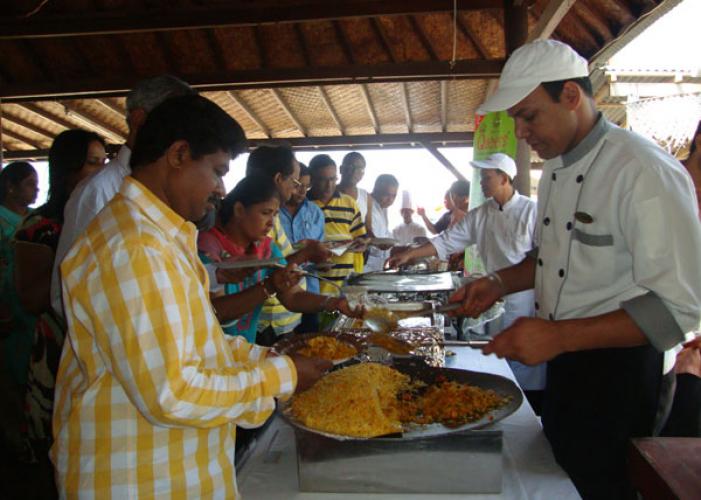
[[601, 127]]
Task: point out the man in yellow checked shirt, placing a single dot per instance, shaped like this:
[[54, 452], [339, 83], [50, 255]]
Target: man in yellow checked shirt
[[149, 389]]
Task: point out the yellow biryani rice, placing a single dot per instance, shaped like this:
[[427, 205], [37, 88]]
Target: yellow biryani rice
[[358, 401], [325, 347]]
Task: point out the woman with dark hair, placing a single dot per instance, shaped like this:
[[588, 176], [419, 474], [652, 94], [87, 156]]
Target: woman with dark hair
[[74, 155], [245, 219], [19, 186]]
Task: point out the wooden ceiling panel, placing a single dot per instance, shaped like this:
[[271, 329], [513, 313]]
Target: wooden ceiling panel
[[17, 66], [191, 51], [238, 48], [439, 31], [489, 33], [424, 101], [308, 105], [387, 100], [323, 45], [60, 58], [267, 109]]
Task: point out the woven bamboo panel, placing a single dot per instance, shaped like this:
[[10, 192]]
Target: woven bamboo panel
[[350, 107], [190, 52], [267, 109], [239, 48], [10, 111], [224, 100], [366, 45], [439, 30], [464, 96], [425, 104], [488, 28], [59, 58], [104, 57], [281, 46], [402, 38], [388, 103], [15, 56], [145, 53], [322, 44], [307, 105]]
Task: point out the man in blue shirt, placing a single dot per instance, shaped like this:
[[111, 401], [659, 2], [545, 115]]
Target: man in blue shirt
[[303, 220]]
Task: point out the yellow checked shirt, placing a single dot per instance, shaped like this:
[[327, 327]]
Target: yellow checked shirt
[[342, 221], [149, 389], [273, 312]]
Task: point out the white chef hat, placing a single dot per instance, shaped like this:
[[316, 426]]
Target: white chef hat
[[406, 200]]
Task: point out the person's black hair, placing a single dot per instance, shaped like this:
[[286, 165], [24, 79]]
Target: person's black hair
[[192, 118], [271, 160], [349, 160], [692, 148], [66, 157], [554, 89], [460, 188], [319, 162], [304, 170], [252, 189], [383, 181], [12, 175]]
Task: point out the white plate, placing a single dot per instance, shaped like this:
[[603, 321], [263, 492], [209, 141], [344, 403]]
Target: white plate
[[383, 242], [243, 264]]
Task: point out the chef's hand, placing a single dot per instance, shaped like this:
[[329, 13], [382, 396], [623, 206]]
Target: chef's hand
[[313, 251], [341, 305], [398, 259], [309, 370], [529, 341], [421, 211], [359, 245], [689, 358], [284, 279], [476, 297]]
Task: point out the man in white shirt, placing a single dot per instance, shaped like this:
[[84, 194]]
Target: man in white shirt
[[407, 231], [93, 193], [383, 195], [502, 228], [617, 269]]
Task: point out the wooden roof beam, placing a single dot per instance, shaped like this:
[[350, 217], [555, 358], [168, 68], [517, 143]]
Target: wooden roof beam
[[135, 20], [29, 126], [343, 42], [249, 113], [423, 38], [93, 123], [407, 109], [112, 107], [283, 105], [382, 37], [443, 160], [472, 36], [550, 19], [265, 78], [46, 115], [327, 102], [20, 138], [370, 108]]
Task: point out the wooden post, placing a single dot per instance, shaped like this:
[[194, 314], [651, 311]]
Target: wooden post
[[515, 35]]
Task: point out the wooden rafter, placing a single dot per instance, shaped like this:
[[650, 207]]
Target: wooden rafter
[[215, 47], [382, 37], [550, 19], [407, 109], [114, 108], [20, 138], [167, 53], [343, 42], [138, 19], [425, 43], [444, 105], [267, 78], [443, 160], [468, 33], [599, 25], [33, 56], [332, 112], [93, 123], [249, 113], [297, 28], [371, 109], [283, 105], [515, 24], [29, 126], [260, 47]]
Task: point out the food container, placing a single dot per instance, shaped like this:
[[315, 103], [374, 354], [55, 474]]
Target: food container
[[429, 459]]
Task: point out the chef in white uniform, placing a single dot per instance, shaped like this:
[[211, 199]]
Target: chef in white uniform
[[383, 195], [502, 228], [407, 230], [617, 269]]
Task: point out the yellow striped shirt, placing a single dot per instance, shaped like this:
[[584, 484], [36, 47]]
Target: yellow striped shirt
[[342, 221], [149, 389], [274, 313]]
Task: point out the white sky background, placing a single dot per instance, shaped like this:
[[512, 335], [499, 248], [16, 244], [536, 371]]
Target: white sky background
[[672, 42]]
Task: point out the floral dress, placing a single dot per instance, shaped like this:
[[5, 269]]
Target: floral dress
[[49, 334]]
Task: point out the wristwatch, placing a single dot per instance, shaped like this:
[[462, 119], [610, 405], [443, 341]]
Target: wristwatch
[[268, 288]]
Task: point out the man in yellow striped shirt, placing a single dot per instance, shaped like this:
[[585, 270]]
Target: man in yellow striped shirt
[[342, 219], [149, 389]]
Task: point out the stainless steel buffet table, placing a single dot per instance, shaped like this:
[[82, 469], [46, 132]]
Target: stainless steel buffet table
[[530, 471]]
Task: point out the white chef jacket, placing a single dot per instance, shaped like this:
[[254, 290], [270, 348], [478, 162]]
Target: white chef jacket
[[86, 200], [503, 237], [405, 233], [618, 228], [380, 228]]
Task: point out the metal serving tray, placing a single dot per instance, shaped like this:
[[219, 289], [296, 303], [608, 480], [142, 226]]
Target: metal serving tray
[[392, 281]]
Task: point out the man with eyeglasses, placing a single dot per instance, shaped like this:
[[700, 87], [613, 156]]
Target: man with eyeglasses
[[303, 221]]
